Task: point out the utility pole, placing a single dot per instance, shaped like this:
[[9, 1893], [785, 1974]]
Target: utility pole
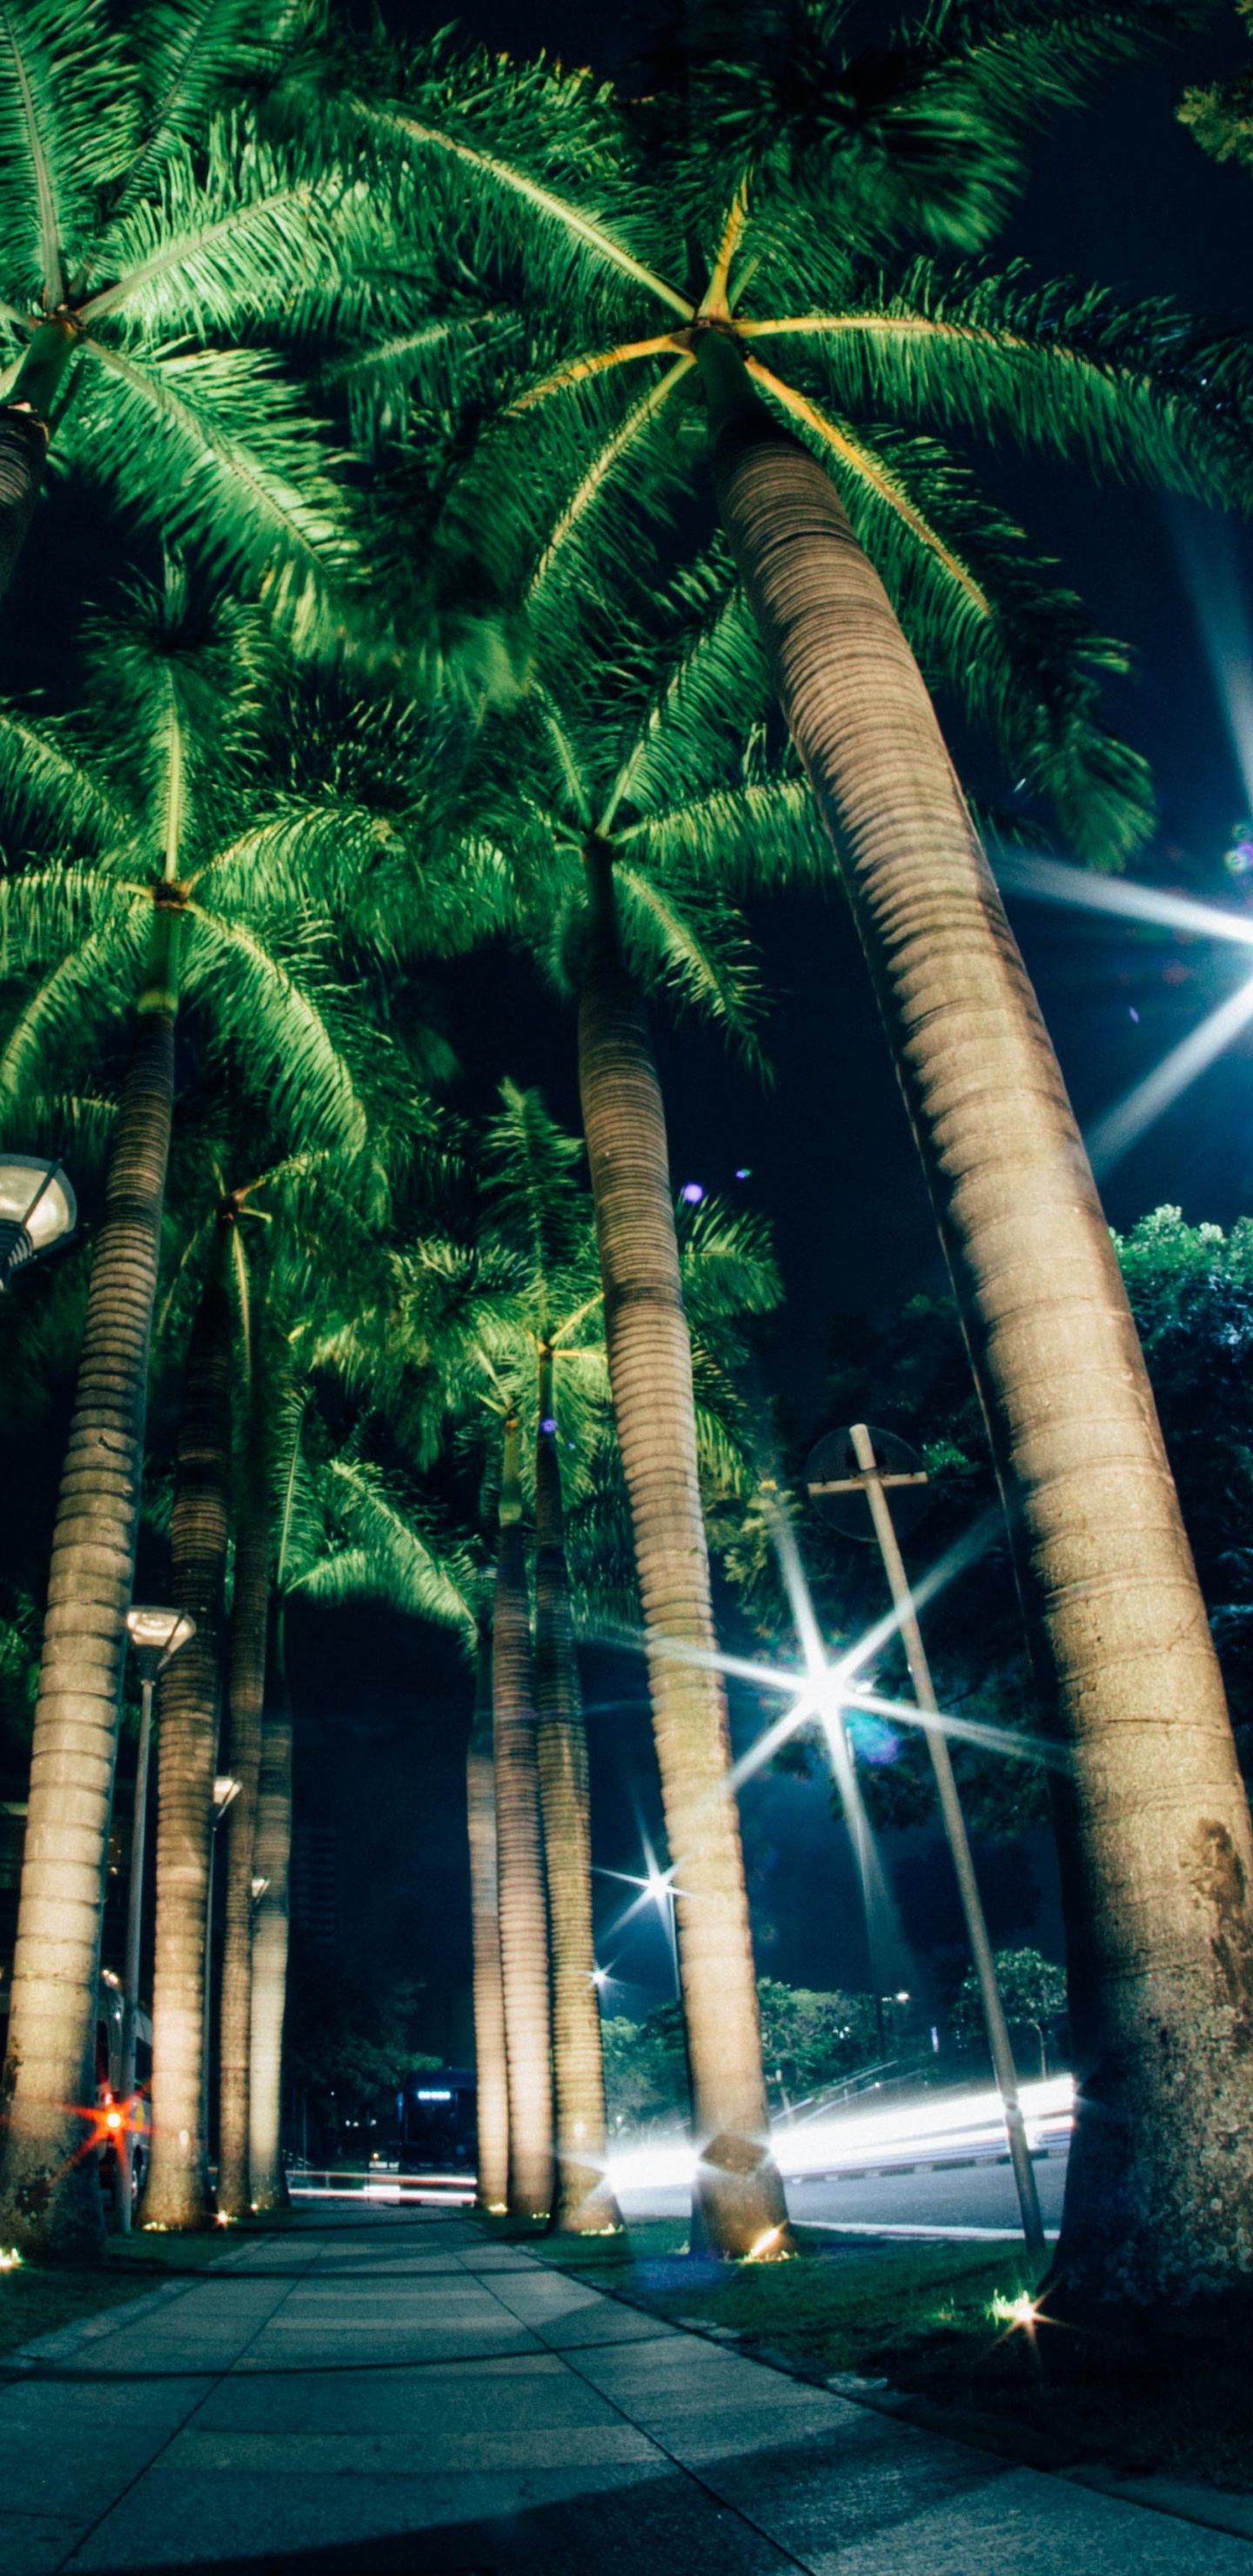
[[874, 1479]]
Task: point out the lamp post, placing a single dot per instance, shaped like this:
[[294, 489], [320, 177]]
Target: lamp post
[[872, 1475], [155, 1635], [225, 1791], [37, 1210]]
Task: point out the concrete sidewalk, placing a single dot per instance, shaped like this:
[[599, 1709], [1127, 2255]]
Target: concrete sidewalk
[[392, 2391]]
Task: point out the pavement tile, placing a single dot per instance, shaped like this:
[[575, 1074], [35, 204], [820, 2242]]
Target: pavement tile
[[34, 2544], [1024, 2524], [171, 2520], [426, 2452], [506, 2393]]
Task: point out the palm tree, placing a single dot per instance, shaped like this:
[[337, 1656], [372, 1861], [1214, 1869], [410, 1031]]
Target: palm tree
[[854, 544], [520, 1847], [536, 1211], [177, 2191], [639, 791], [153, 237], [470, 1333], [490, 2060], [343, 1531], [238, 938]]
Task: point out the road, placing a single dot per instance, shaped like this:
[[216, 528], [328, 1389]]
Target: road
[[936, 2164]]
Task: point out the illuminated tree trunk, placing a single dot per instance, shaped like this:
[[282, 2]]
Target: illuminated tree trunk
[[190, 1696], [738, 2197], [270, 1940], [491, 2069], [584, 2203], [520, 1859], [1153, 1822], [249, 1625], [49, 2192]]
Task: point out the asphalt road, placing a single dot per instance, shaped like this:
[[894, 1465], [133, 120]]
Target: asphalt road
[[976, 2196]]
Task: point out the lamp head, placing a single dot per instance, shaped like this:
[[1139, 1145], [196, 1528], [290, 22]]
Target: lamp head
[[155, 1635], [37, 1210]]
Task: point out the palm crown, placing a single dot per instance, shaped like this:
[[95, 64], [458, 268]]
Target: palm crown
[[150, 238], [624, 257]]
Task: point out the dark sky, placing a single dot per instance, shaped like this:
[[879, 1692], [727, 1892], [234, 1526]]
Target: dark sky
[[1124, 195]]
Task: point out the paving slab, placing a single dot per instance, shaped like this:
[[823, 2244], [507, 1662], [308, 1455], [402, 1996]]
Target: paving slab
[[385, 2390]]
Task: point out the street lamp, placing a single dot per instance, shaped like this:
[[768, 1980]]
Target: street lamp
[[37, 1210], [154, 1635]]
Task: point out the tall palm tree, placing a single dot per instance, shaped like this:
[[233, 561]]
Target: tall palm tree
[[520, 1846], [153, 238], [342, 1531], [491, 2069], [857, 542], [227, 926], [514, 1324], [177, 2192], [652, 784], [535, 1209]]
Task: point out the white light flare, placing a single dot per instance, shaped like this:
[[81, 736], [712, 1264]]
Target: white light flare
[[1203, 550], [1122, 1126], [1082, 890]]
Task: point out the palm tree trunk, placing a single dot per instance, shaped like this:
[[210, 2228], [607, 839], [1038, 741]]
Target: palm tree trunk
[[491, 2068], [520, 1853], [738, 2195], [1153, 1822], [584, 2202], [24, 434], [270, 1939], [49, 2193], [249, 1627], [177, 2193]]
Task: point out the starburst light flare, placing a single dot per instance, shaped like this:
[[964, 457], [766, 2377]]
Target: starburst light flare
[[1213, 585], [1080, 890], [1122, 1126]]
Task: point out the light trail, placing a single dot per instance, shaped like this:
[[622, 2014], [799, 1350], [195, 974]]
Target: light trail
[[928, 2130]]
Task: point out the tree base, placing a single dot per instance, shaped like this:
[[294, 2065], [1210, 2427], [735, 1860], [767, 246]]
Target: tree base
[[738, 2208], [585, 2204], [53, 2211]]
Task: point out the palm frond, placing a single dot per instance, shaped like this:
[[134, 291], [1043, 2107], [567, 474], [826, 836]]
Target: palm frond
[[281, 1029], [66, 102]]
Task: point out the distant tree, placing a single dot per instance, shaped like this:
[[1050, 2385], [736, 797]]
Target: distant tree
[[1033, 1991], [810, 2039], [349, 2048], [1221, 114]]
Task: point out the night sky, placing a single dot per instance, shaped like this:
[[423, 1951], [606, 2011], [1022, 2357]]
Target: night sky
[[1123, 194]]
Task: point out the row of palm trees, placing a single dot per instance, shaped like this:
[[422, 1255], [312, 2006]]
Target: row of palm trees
[[535, 313]]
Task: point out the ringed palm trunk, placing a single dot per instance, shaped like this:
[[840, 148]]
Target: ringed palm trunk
[[490, 2064], [24, 434], [49, 2194], [177, 2192], [270, 1932], [738, 2197], [1153, 1821], [249, 1624], [584, 2203], [520, 1857]]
